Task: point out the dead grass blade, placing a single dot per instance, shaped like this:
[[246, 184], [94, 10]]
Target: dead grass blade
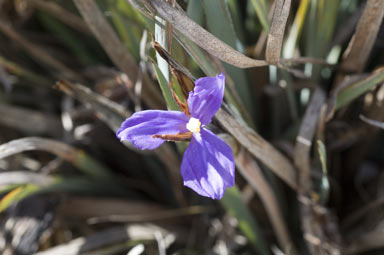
[[183, 76], [29, 121], [110, 112], [276, 33], [87, 207], [36, 143], [84, 245], [77, 157], [98, 210], [304, 140], [107, 37], [24, 177], [374, 123], [159, 215], [311, 211], [304, 60], [263, 37], [362, 42], [259, 148], [252, 173], [202, 37], [115, 49]]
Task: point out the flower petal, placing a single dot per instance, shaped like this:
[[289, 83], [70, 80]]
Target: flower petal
[[206, 98], [139, 128], [208, 165]]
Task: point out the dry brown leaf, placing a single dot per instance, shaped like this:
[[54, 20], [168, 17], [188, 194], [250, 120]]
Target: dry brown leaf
[[276, 33], [29, 121], [110, 112], [362, 42], [259, 148], [250, 170], [202, 37], [98, 210], [107, 37], [305, 137], [311, 211], [183, 76], [22, 177]]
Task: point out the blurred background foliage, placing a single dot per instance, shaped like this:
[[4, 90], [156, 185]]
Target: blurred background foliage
[[303, 114]]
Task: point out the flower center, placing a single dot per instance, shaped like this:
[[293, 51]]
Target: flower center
[[193, 125]]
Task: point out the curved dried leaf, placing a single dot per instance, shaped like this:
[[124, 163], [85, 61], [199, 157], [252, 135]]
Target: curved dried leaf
[[23, 177], [259, 148], [110, 112], [77, 157], [276, 33], [305, 137], [365, 36], [202, 37], [250, 170], [29, 121]]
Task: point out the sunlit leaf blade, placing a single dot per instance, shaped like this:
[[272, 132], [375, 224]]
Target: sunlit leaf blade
[[161, 38], [295, 31], [16, 195]]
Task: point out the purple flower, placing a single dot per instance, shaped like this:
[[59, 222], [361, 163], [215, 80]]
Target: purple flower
[[208, 165]]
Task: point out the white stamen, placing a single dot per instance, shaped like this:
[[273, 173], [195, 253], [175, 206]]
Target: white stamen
[[193, 125]]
